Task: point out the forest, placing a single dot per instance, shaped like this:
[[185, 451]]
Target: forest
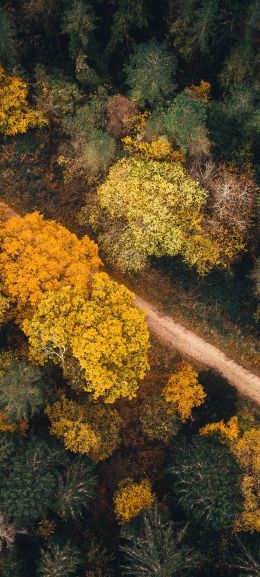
[[129, 165]]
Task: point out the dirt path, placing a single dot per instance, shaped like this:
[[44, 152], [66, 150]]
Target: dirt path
[[184, 340]]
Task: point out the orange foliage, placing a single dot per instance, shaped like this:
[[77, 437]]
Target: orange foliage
[[200, 92], [39, 255]]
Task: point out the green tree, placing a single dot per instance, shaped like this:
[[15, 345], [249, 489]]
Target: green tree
[[21, 390], [243, 556], [11, 564], [59, 560], [127, 18], [256, 278], [28, 483], [185, 121], [153, 548], [78, 22], [75, 488], [206, 482], [8, 40], [150, 74]]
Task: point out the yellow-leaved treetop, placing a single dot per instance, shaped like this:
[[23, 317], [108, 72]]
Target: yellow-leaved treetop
[[16, 114], [39, 255], [183, 391], [132, 498], [106, 334], [91, 429], [148, 207], [246, 448]]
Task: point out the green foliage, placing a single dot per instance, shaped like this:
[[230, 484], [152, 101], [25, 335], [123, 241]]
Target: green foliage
[[75, 489], [153, 548], [243, 556], [185, 121], [59, 560], [150, 74], [28, 485], [56, 96], [127, 17], [78, 22], [11, 564], [256, 278], [206, 482], [21, 391], [8, 41]]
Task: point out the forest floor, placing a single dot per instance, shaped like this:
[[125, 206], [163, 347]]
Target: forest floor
[[190, 344]]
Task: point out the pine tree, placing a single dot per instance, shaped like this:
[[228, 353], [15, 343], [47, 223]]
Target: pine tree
[[59, 561], [21, 390], [155, 549], [75, 488]]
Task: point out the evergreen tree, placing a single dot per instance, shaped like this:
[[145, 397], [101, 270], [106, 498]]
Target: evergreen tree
[[8, 41], [75, 488], [150, 74], [206, 482], [152, 548], [59, 561], [21, 391], [28, 483]]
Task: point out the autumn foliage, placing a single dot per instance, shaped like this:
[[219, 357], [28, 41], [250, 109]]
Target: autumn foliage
[[183, 391], [39, 255], [106, 335], [131, 499], [16, 115]]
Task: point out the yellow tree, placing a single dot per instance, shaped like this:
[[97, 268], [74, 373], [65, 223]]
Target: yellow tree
[[149, 207], [16, 115], [106, 335], [39, 255], [132, 498], [183, 391]]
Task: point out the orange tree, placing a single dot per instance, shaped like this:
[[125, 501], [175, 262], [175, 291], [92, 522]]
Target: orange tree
[[39, 255]]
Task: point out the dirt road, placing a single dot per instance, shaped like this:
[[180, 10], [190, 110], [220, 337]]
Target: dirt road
[[190, 344], [184, 340]]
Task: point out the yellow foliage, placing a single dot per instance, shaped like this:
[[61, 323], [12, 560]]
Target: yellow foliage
[[200, 92], [159, 149], [247, 451], [4, 308], [90, 429], [39, 255], [46, 528], [23, 427], [16, 115], [106, 334], [131, 499], [230, 430], [249, 519], [183, 391]]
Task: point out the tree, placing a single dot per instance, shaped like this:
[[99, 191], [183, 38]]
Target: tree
[[185, 121], [11, 564], [243, 556], [156, 549], [39, 255], [21, 391], [58, 560], [106, 334], [8, 40], [121, 112], [256, 278], [28, 487], [75, 489], [89, 429], [131, 499], [56, 96], [206, 482], [127, 17], [78, 22], [17, 116], [138, 219], [151, 74], [183, 391], [156, 421]]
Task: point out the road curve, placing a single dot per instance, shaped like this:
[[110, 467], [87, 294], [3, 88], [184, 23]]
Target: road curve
[[184, 340]]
